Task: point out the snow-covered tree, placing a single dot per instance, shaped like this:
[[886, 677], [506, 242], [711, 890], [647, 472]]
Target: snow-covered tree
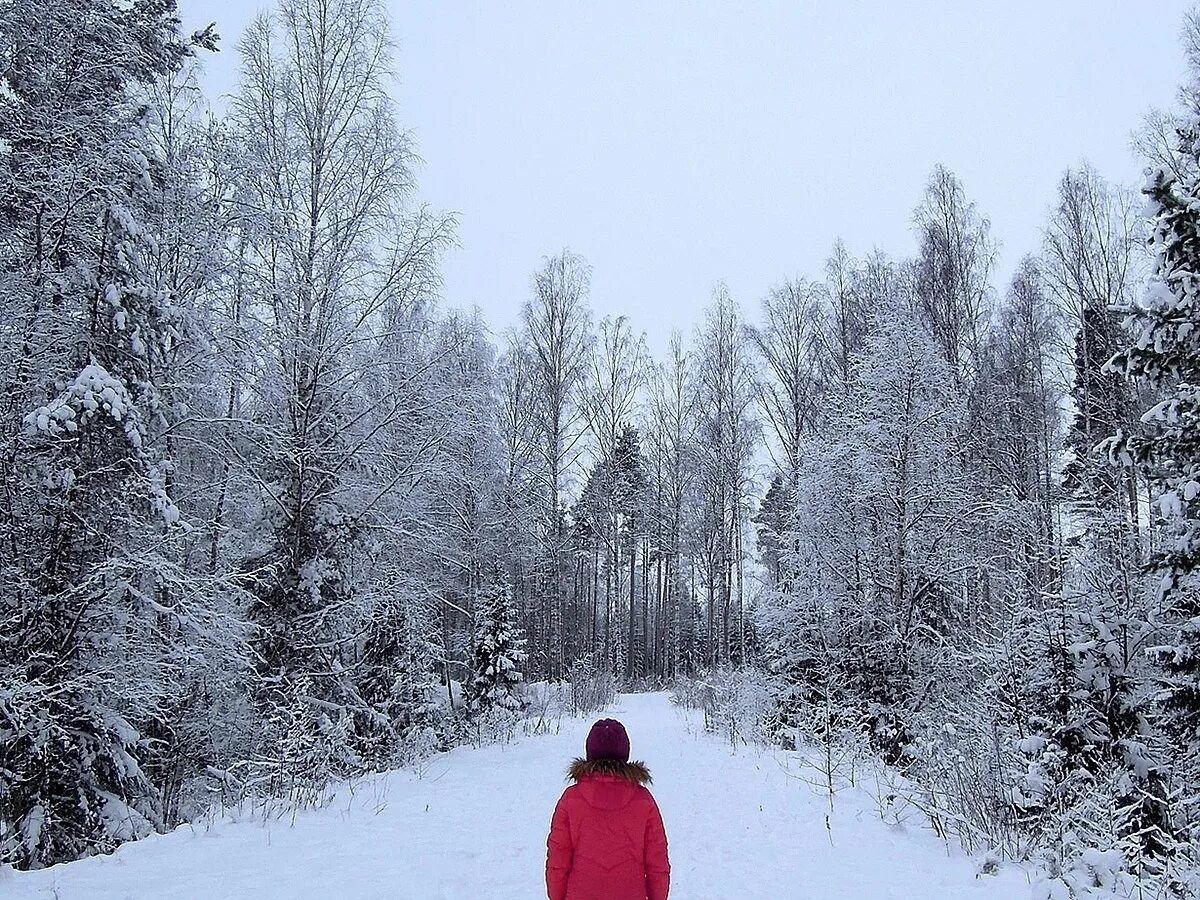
[[727, 432], [951, 273], [338, 266], [1165, 353], [555, 341], [96, 610], [790, 386], [498, 657], [1089, 270], [670, 446]]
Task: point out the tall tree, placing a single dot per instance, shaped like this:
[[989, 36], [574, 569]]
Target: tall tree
[[608, 400], [1019, 393], [848, 292], [726, 435], [1089, 270], [1165, 352], [787, 343], [671, 436], [557, 333], [952, 271], [90, 336], [336, 260]]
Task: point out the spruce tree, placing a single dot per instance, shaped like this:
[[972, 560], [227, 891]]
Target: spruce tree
[[93, 327], [1165, 353], [772, 522], [394, 687], [1102, 402], [630, 488], [498, 652]]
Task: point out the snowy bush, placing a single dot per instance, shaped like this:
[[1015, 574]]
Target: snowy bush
[[593, 686], [961, 783], [495, 725], [738, 704], [545, 705], [690, 693], [1092, 875], [452, 729]]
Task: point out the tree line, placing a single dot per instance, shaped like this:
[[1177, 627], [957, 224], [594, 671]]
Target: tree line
[[979, 541]]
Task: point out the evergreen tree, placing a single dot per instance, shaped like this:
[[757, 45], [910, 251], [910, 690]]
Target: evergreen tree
[[1102, 401], [629, 503], [772, 520], [396, 717], [85, 605], [498, 656], [1165, 352], [1095, 779]]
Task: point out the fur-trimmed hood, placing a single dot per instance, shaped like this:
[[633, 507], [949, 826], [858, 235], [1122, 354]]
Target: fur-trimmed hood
[[635, 772]]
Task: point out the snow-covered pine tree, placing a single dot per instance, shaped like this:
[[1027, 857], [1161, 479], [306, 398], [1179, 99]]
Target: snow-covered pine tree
[[498, 656], [615, 487], [1108, 784], [1094, 781], [1165, 353], [519, 499], [1102, 404], [86, 602], [772, 523], [629, 502], [204, 723], [395, 719]]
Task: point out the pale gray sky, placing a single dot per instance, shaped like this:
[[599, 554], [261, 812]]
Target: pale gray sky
[[674, 144]]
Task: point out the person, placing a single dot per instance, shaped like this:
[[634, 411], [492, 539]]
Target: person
[[607, 840]]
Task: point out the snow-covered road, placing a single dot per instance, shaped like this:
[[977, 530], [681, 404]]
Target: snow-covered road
[[472, 827]]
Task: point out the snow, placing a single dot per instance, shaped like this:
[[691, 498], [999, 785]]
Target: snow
[[92, 389], [472, 824]]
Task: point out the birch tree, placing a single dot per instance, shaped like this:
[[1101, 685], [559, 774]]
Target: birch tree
[[334, 268], [727, 431], [951, 272], [557, 332], [789, 391], [672, 433], [608, 403]]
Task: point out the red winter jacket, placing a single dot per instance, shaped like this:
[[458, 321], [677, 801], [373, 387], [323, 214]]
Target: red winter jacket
[[607, 840]]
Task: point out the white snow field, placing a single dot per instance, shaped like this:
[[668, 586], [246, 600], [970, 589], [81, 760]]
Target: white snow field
[[473, 826]]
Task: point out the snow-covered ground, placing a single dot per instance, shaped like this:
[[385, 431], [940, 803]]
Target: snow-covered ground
[[473, 826]]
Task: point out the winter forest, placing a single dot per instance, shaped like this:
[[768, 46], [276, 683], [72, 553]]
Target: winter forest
[[276, 513]]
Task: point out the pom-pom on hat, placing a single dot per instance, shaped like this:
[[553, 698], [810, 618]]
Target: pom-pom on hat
[[608, 740]]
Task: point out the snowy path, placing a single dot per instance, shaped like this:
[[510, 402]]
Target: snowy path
[[473, 828]]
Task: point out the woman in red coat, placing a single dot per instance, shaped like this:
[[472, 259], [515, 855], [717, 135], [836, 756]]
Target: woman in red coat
[[607, 840]]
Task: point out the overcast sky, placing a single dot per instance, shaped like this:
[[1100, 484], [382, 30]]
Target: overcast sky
[[674, 144]]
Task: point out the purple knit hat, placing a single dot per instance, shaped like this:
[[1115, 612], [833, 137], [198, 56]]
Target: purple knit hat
[[608, 740]]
